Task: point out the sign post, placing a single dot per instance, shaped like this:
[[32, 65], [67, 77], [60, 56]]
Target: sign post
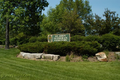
[[59, 37]]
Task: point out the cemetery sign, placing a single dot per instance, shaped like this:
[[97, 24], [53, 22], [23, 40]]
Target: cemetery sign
[[59, 37]]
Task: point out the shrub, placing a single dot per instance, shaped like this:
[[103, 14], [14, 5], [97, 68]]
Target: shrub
[[110, 42], [13, 41], [93, 38], [62, 48], [89, 48], [117, 57], [85, 57], [21, 38], [77, 38], [33, 39], [42, 38], [32, 47], [67, 58]]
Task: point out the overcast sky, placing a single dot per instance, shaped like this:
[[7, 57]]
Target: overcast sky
[[98, 6]]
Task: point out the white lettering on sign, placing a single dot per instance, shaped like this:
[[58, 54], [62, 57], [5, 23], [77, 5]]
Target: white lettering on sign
[[60, 38]]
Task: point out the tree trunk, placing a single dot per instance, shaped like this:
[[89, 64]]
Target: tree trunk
[[7, 34]]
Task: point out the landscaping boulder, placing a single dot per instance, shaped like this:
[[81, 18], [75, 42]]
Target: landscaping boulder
[[101, 56], [31, 55], [50, 56], [22, 54], [39, 56], [56, 57], [118, 53]]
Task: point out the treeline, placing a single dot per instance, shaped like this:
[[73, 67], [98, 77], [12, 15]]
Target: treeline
[[27, 24]]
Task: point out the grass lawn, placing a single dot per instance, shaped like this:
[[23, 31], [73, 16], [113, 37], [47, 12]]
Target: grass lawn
[[13, 68]]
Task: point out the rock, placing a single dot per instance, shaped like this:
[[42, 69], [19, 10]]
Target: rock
[[23, 54], [50, 56], [31, 55], [56, 57], [101, 56], [37, 55], [47, 56], [28, 56], [118, 53], [16, 46]]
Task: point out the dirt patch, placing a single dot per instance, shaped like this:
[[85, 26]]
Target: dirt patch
[[111, 56]]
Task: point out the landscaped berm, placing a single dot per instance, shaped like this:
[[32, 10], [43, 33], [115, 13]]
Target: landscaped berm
[[14, 68]]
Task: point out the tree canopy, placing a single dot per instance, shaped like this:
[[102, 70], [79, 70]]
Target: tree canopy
[[67, 17], [21, 16]]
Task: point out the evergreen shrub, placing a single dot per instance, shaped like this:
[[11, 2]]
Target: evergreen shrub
[[110, 42], [77, 38], [93, 38], [62, 48], [42, 38], [33, 39]]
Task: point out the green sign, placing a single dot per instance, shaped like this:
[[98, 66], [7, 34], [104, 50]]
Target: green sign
[[59, 37]]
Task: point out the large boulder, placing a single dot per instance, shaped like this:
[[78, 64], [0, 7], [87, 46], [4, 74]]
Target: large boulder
[[51, 57], [118, 53], [39, 56], [22, 54], [31, 55], [56, 57], [101, 56]]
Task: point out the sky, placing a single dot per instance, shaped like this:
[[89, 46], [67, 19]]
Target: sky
[[98, 6]]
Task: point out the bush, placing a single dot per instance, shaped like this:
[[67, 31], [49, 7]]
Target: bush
[[42, 38], [67, 58], [32, 47], [38, 39], [110, 42], [77, 38], [13, 41], [62, 48], [33, 39], [92, 38], [89, 48]]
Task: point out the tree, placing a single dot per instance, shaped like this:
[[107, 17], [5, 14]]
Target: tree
[[6, 8], [71, 23], [20, 15], [32, 16], [110, 24], [59, 18]]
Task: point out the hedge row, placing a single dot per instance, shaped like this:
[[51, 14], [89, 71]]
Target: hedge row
[[108, 41], [62, 48]]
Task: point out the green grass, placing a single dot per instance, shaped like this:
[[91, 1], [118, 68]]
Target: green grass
[[13, 68]]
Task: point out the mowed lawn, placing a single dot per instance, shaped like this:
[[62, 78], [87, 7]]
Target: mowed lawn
[[13, 68]]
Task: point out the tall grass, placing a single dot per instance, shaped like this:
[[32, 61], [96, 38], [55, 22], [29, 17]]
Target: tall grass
[[13, 68]]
